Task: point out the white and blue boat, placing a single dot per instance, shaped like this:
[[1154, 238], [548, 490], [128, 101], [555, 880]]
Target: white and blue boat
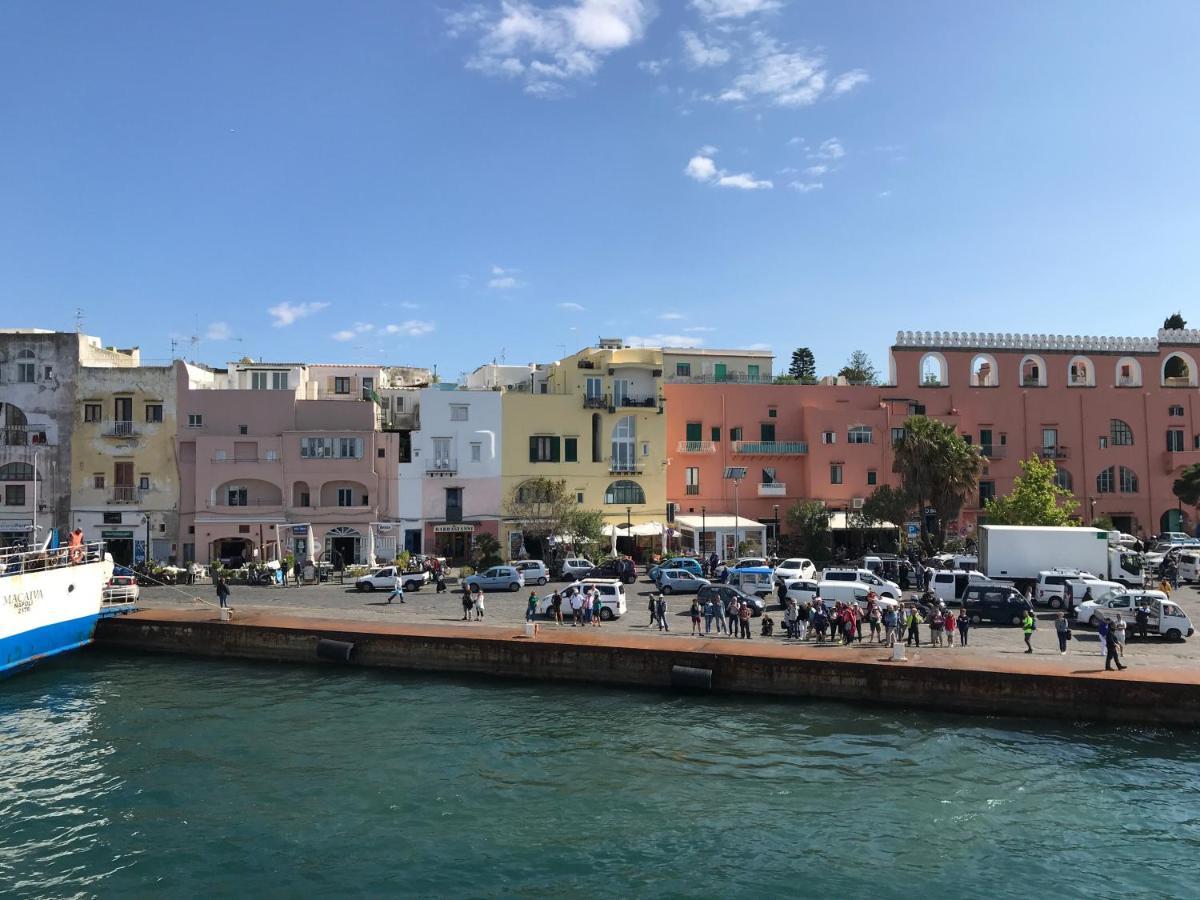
[[50, 600]]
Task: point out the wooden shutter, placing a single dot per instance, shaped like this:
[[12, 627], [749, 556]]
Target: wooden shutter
[[533, 449], [554, 448]]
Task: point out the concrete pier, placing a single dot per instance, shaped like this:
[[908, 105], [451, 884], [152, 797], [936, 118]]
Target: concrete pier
[[1073, 688]]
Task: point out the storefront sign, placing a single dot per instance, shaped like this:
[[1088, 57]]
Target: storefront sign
[[301, 530], [116, 535], [464, 528], [22, 525]]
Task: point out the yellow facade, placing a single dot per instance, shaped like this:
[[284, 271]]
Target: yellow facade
[[596, 421], [124, 479]]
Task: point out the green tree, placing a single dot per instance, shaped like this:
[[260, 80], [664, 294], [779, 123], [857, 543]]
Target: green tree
[[808, 530], [542, 506], [485, 552], [938, 469], [1035, 499], [888, 504], [585, 527], [859, 370], [1187, 486], [804, 366], [1176, 321]]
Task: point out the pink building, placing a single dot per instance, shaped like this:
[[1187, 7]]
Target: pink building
[[278, 459], [1117, 415]]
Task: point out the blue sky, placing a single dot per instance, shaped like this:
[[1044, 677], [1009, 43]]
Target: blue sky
[[433, 183]]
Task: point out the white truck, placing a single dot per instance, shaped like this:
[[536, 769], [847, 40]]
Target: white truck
[[1018, 552]]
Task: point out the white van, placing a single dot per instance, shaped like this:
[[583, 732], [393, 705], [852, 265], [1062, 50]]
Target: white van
[[612, 598], [852, 592], [757, 580], [1052, 587], [1189, 565], [949, 585], [865, 576]]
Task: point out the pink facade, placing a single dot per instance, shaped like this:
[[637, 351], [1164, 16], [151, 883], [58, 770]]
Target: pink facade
[[256, 463], [1118, 416]]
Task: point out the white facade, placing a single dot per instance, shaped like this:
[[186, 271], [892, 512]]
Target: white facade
[[451, 487]]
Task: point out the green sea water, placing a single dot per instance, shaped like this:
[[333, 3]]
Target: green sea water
[[138, 776]]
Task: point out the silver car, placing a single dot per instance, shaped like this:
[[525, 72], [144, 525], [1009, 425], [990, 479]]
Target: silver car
[[679, 581], [497, 578]]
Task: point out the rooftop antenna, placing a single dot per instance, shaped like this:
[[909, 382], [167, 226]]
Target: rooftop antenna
[[78, 320]]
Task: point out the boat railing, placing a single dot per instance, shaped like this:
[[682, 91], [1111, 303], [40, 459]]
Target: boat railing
[[18, 562]]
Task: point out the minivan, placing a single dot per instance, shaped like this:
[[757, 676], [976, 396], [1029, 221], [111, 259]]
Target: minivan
[[852, 592], [1189, 566], [997, 603], [881, 587], [757, 580], [948, 585], [612, 598]]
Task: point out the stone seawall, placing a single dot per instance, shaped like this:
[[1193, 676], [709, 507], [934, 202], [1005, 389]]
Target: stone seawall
[[1057, 688]]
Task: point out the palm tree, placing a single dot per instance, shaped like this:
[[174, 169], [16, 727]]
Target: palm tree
[[938, 469]]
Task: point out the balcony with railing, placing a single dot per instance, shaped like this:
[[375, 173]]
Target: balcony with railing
[[727, 378], [697, 447], [770, 448], [772, 489], [1177, 381], [625, 467], [595, 402], [120, 428], [636, 400], [1173, 460], [1057, 452], [22, 435], [441, 465], [993, 451], [124, 493], [250, 460], [691, 490]]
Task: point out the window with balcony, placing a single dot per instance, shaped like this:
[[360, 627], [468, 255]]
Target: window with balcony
[[766, 432], [768, 475], [92, 412], [594, 390], [859, 434], [1174, 440], [236, 496], [735, 434], [153, 412], [691, 480], [835, 474], [345, 496], [1119, 433], [715, 433], [458, 412]]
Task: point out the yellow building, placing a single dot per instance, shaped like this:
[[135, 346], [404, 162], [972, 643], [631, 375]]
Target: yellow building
[[124, 480], [596, 421]]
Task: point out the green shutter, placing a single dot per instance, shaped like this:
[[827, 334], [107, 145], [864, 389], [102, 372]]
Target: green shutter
[[571, 449], [533, 445], [766, 432], [716, 434], [554, 442], [694, 430]]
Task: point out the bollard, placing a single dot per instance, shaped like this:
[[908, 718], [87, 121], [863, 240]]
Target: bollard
[[226, 614], [898, 653], [530, 629]]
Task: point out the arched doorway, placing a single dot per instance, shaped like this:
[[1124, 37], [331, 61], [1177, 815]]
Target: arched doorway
[[343, 547], [1171, 520]]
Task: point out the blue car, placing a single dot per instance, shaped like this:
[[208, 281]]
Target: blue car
[[679, 562]]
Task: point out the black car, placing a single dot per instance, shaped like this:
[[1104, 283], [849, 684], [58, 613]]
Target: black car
[[723, 593], [614, 568], [996, 603]]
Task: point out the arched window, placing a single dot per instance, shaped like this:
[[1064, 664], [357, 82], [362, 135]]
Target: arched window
[[1119, 433], [537, 491], [1063, 479], [1129, 372], [1033, 371], [1104, 481], [624, 444], [984, 371], [628, 493], [933, 370], [1081, 373], [1179, 370], [1128, 480], [16, 471], [858, 434]]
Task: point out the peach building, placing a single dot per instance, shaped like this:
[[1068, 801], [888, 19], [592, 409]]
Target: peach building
[[284, 458], [1117, 415]]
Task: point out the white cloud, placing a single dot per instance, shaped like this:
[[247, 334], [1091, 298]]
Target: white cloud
[[663, 340], [733, 9], [671, 315], [848, 81], [797, 141], [829, 149], [884, 194], [288, 313], [504, 279], [707, 150], [411, 327], [703, 169], [816, 170], [409, 305], [219, 331], [571, 307], [363, 327], [698, 328], [759, 347], [547, 46], [806, 187], [653, 66], [345, 335], [701, 54]]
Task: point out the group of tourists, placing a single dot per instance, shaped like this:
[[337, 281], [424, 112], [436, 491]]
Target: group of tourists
[[582, 602], [731, 618], [473, 606]]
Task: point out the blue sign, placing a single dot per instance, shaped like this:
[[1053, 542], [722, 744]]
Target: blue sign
[[139, 552], [913, 530]]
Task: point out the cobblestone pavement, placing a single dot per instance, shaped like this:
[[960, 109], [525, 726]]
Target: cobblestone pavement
[[427, 606]]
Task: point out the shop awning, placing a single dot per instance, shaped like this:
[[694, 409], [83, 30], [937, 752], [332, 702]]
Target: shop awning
[[717, 523], [639, 529], [839, 521]]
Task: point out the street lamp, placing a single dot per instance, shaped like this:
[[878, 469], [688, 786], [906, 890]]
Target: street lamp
[[34, 535], [735, 474], [776, 507], [703, 526], [1092, 515]]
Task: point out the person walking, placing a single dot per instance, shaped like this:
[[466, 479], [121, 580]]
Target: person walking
[[696, 632], [1111, 646], [440, 582], [660, 611], [1028, 623], [222, 591], [467, 603], [964, 625], [479, 605], [744, 615], [1102, 631], [652, 606], [397, 591], [297, 570], [530, 606], [1062, 628]]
